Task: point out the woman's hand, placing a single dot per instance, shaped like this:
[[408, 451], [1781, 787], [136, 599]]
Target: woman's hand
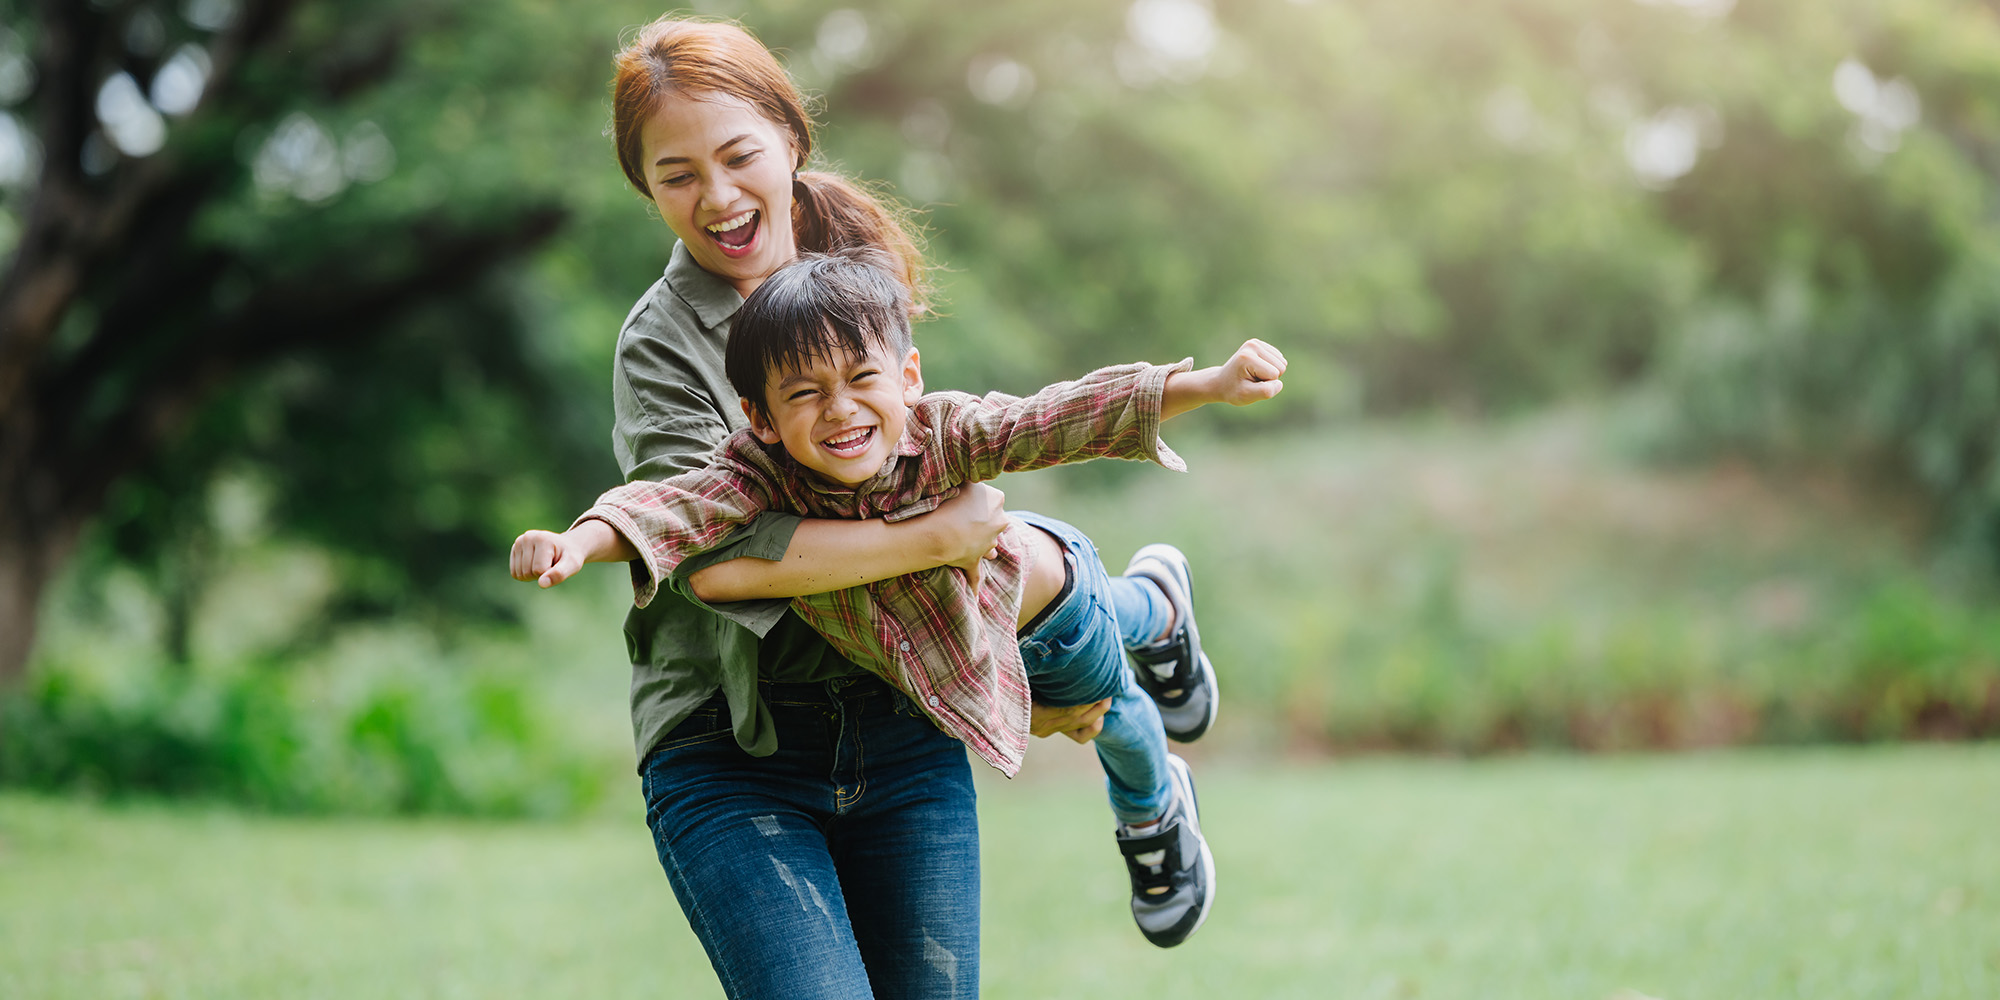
[[967, 527], [1081, 723]]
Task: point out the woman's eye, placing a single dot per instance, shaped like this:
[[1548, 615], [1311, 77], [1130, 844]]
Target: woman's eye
[[676, 180], [742, 158]]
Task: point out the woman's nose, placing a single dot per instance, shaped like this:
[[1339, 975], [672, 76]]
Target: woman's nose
[[718, 194]]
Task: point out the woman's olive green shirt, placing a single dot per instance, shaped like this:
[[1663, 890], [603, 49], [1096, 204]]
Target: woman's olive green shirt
[[671, 405]]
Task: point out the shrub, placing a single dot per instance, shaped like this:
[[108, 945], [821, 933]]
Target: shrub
[[426, 741]]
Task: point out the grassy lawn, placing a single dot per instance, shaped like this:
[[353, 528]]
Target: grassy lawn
[[1824, 874]]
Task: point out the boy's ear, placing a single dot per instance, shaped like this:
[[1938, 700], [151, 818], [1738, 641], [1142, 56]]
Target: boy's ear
[[913, 378], [759, 425]]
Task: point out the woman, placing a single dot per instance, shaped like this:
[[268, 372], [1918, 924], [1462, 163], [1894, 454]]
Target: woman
[[819, 833]]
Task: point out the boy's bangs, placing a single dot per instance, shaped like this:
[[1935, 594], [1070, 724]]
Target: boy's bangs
[[818, 308], [822, 338]]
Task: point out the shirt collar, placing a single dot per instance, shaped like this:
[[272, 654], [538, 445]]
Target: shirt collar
[[911, 444], [713, 300]]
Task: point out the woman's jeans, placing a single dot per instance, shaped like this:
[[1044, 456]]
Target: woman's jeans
[[846, 865], [1075, 654]]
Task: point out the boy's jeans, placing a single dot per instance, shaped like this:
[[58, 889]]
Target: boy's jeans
[[1075, 654]]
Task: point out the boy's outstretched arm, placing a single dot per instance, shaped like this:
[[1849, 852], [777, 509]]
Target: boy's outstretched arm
[[1250, 375], [549, 557]]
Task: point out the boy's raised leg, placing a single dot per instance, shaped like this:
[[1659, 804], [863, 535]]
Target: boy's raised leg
[[1173, 873], [1174, 671]]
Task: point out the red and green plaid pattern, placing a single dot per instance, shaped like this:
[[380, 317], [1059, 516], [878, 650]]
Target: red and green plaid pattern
[[952, 650]]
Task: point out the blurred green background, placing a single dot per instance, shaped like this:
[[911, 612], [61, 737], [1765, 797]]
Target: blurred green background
[[1645, 391]]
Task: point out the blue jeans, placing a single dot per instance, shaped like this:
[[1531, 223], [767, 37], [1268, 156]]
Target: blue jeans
[[846, 865], [1075, 654]]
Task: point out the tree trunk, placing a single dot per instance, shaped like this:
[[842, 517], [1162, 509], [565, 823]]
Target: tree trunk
[[22, 568], [35, 540]]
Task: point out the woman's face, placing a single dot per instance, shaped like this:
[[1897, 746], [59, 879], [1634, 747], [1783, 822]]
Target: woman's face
[[722, 176]]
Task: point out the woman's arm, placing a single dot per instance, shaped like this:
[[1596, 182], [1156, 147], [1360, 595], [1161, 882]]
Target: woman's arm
[[827, 555]]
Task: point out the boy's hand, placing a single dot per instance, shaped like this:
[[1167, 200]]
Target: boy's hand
[[1251, 375], [545, 557]]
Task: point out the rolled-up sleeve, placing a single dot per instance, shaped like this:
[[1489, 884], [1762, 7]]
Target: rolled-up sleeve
[[665, 423]]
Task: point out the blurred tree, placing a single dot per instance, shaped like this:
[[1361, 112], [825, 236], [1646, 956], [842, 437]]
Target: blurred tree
[[288, 282], [1851, 221], [188, 289]]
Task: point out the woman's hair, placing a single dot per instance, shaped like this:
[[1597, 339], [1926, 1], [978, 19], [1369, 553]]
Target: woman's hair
[[693, 58], [817, 307]]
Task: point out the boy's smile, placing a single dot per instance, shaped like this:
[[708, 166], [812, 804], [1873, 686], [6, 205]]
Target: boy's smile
[[842, 418]]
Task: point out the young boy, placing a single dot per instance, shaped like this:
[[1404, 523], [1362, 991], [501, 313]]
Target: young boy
[[840, 427]]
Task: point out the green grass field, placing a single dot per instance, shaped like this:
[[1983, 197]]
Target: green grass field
[[1828, 874]]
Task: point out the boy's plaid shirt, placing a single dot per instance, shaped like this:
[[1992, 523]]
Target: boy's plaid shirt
[[952, 651]]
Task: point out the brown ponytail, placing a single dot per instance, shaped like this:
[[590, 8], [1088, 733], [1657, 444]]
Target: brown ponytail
[[829, 212]]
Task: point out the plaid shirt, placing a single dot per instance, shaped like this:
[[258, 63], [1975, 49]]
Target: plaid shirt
[[952, 650]]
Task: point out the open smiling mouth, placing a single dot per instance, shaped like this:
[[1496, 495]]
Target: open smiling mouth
[[736, 234], [851, 443]]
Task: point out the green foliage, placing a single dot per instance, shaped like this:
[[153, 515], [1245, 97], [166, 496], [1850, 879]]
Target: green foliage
[[1431, 206], [411, 742], [1439, 589], [1853, 314], [1906, 663]]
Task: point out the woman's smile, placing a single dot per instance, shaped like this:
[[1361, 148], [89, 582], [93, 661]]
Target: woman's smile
[[736, 235]]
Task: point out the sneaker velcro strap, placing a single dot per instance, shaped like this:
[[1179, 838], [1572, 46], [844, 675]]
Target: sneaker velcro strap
[[1176, 652], [1177, 843]]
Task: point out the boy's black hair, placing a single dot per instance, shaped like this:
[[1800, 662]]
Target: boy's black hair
[[816, 308]]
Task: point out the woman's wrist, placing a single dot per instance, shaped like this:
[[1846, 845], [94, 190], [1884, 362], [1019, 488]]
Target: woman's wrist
[[935, 541]]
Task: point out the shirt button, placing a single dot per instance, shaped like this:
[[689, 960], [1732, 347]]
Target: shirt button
[[906, 645], [934, 701]]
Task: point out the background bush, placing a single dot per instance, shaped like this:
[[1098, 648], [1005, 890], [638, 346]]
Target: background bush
[[424, 742]]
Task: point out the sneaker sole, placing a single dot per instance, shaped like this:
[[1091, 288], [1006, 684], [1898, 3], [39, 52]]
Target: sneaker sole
[[1182, 774]]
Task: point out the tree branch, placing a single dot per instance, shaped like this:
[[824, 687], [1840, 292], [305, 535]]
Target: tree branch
[[330, 307]]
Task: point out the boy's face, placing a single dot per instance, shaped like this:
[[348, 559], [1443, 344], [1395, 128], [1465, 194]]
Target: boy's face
[[841, 418]]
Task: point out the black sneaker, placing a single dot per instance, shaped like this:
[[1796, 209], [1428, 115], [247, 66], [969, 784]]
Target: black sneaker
[[1174, 672], [1173, 874]]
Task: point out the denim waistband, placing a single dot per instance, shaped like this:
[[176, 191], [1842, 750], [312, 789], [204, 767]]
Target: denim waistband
[[829, 690]]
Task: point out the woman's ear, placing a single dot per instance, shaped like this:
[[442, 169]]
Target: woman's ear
[[913, 378], [760, 425]]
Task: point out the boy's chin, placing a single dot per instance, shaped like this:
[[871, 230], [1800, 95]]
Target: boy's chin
[[847, 476]]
